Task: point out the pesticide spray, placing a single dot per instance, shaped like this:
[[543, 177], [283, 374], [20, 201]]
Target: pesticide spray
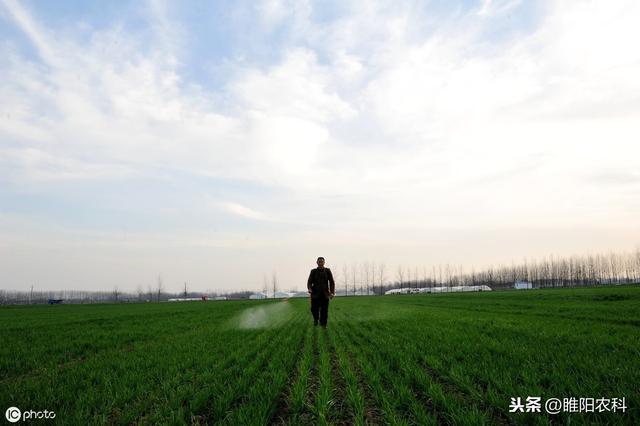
[[264, 316]]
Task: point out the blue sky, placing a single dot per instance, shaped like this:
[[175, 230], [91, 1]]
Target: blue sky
[[216, 142]]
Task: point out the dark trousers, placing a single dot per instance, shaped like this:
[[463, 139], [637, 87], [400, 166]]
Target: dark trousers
[[320, 309]]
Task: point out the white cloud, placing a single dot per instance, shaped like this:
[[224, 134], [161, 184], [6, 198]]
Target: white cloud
[[272, 12], [43, 166], [243, 211], [491, 7], [298, 87], [31, 29], [383, 117], [423, 104]]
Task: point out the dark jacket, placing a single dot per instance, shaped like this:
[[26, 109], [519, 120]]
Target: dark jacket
[[321, 283]]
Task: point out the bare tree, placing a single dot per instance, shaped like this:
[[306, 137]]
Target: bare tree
[[345, 277], [336, 278], [274, 280], [160, 287], [637, 263], [425, 279], [265, 287], [433, 277], [373, 277], [354, 270], [365, 270], [400, 275], [381, 277], [139, 292]]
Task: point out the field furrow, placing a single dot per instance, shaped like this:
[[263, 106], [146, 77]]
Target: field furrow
[[257, 392], [324, 407], [291, 401], [359, 407]]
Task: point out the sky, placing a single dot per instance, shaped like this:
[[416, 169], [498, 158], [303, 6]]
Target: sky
[[216, 143]]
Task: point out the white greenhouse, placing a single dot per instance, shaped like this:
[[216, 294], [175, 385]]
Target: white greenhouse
[[452, 289], [521, 285]]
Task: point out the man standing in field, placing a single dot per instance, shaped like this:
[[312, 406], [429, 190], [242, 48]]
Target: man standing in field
[[322, 288]]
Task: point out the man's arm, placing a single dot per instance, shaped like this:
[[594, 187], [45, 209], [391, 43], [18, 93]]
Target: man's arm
[[309, 281], [332, 286]]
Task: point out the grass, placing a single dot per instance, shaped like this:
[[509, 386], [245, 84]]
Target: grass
[[454, 358]]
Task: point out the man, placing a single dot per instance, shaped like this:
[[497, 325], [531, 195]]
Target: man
[[321, 287]]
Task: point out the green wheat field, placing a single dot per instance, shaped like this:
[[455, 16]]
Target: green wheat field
[[425, 359]]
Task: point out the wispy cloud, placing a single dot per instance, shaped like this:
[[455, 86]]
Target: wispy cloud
[[355, 116], [31, 29], [243, 211]]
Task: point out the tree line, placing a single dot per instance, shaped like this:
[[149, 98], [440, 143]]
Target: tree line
[[370, 278], [155, 292]]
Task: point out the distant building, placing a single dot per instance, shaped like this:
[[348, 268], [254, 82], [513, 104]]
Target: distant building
[[357, 292], [521, 285], [257, 296], [220, 298], [186, 299]]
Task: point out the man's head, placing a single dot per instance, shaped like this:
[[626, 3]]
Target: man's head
[[320, 262]]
